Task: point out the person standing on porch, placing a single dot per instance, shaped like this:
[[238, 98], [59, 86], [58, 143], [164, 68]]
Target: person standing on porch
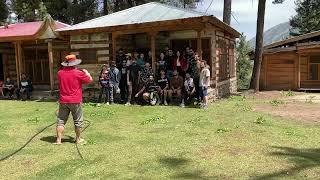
[[169, 63], [204, 83], [123, 79], [70, 86], [133, 78]]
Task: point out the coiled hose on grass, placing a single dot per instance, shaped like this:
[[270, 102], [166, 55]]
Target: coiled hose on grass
[[39, 132]]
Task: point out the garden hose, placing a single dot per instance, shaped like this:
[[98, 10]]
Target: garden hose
[[39, 132], [18, 150]]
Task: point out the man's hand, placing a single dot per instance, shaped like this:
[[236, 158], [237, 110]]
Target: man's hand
[[87, 73]]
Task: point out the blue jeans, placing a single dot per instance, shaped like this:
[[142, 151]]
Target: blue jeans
[[169, 74]]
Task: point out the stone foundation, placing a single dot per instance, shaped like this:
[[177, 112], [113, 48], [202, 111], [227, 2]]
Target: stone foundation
[[227, 87]]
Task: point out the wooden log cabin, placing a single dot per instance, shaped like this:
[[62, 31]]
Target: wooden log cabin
[[292, 64], [33, 48], [152, 26]]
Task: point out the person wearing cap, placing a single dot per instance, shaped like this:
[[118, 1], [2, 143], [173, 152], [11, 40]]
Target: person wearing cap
[[70, 86]]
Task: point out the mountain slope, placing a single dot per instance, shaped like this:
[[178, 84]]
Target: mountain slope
[[274, 34]]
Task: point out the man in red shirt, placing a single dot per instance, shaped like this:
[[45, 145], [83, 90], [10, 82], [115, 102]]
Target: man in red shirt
[[70, 86]]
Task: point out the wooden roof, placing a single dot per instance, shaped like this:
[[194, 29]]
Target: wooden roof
[[31, 30], [294, 40], [150, 15]]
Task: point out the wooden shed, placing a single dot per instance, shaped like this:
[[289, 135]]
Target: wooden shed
[[292, 64], [33, 48], [152, 26]]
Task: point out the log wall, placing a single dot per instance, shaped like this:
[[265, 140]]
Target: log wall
[[279, 71]]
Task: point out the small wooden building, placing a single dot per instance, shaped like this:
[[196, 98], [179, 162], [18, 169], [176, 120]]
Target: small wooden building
[[152, 26], [292, 64], [33, 48]]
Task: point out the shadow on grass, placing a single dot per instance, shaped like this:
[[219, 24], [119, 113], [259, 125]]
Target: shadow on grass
[[182, 168], [302, 159], [52, 139]]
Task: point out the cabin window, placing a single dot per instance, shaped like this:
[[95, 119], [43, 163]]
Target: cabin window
[[88, 56], [224, 69], [314, 68]]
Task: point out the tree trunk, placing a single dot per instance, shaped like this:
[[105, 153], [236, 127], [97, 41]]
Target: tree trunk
[[259, 46], [105, 7], [227, 12]]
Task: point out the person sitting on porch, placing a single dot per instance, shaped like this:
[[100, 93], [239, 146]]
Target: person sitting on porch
[[133, 78], [25, 87], [176, 86], [140, 60], [1, 88], [180, 64], [163, 83], [189, 89], [161, 64], [105, 87], [8, 88], [150, 91]]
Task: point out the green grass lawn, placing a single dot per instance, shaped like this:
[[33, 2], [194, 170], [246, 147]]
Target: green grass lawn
[[228, 141]]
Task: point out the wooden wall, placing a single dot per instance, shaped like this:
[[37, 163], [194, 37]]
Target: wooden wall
[[279, 71], [95, 48], [9, 62]]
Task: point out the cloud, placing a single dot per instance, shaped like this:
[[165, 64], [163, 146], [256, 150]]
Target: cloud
[[245, 13]]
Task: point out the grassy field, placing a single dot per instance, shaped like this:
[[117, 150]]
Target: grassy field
[[228, 141]]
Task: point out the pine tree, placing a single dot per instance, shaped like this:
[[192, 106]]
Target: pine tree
[[308, 16], [3, 10], [29, 10], [244, 64]]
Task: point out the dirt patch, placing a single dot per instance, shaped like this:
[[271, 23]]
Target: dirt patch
[[299, 111]]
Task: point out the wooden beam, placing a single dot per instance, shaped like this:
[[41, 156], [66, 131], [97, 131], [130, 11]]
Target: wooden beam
[[153, 50], [299, 72], [199, 44], [17, 63], [50, 55], [265, 64], [114, 45]]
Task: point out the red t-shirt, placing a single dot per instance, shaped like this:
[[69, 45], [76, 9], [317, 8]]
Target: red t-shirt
[[70, 84]]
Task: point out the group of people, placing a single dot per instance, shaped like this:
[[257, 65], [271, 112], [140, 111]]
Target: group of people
[[23, 91], [180, 76]]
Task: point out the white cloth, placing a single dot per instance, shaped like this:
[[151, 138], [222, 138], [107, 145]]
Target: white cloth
[[188, 84], [205, 73], [24, 83]]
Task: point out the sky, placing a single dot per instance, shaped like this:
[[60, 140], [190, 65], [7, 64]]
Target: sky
[[245, 13]]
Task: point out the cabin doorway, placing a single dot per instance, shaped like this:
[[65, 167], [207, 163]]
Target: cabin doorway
[[37, 66], [314, 68], [1, 68]]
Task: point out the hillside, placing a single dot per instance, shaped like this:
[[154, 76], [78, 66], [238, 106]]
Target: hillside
[[274, 34]]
